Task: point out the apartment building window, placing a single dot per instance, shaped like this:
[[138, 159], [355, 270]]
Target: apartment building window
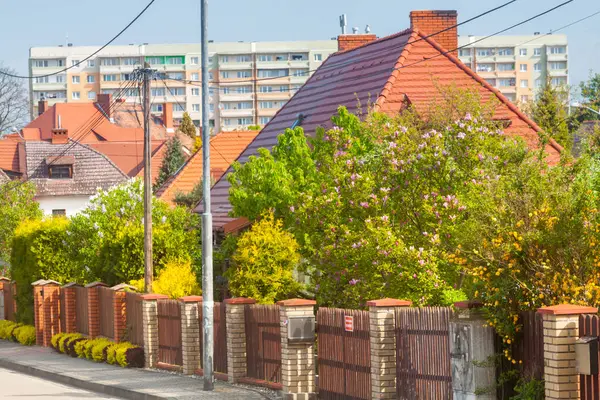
[[559, 81], [91, 95], [176, 75], [523, 67], [109, 61], [510, 96], [75, 63], [295, 88], [558, 50], [485, 52], [300, 72], [40, 63], [211, 107], [506, 51], [266, 89], [60, 78], [210, 76], [266, 104], [75, 95], [243, 89], [109, 78], [265, 57], [196, 107], [318, 57], [537, 51], [75, 79], [60, 63], [242, 58], [491, 81], [227, 122], [522, 52], [41, 79], [177, 91], [284, 88], [485, 67], [506, 82], [226, 90], [272, 73], [281, 57], [211, 91], [91, 63], [131, 61], [128, 77], [196, 92], [264, 120], [195, 76], [155, 60], [224, 59], [524, 98], [156, 108], [178, 107], [506, 67], [558, 65], [464, 52], [244, 74], [175, 60], [132, 92], [299, 57], [538, 83], [244, 121], [157, 91], [224, 74], [194, 60], [537, 67], [91, 79], [108, 91], [524, 83]]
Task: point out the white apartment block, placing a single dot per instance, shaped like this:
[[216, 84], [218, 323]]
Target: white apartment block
[[249, 81], [518, 65]]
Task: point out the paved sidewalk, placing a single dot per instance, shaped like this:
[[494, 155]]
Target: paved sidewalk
[[129, 383]]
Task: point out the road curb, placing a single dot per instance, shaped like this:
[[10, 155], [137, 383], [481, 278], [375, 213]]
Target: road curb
[[99, 388]]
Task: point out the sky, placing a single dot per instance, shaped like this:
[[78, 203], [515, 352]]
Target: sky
[[31, 23]]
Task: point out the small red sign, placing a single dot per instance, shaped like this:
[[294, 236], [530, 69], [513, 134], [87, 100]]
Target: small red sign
[[349, 323]]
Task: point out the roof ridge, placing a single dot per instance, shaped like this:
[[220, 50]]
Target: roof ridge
[[378, 40], [503, 99]]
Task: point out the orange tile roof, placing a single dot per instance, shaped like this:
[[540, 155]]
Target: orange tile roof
[[9, 155], [158, 157], [128, 156], [225, 148]]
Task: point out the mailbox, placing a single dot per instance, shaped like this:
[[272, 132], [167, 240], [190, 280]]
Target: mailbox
[[301, 329], [586, 355]]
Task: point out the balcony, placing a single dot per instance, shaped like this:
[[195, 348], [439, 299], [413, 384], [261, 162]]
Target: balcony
[[556, 57], [298, 80], [558, 72], [169, 68], [51, 86], [282, 96], [246, 112], [507, 89], [236, 96], [506, 74], [232, 66], [267, 112], [116, 69], [298, 63], [500, 59], [283, 64]]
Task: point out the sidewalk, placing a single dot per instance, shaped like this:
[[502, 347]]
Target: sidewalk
[[129, 383]]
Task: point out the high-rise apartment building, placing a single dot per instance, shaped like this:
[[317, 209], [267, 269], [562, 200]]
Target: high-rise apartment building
[[518, 65], [249, 82]]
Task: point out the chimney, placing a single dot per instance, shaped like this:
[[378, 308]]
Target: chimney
[[59, 134], [167, 117], [430, 22], [349, 42], [103, 102], [42, 106]]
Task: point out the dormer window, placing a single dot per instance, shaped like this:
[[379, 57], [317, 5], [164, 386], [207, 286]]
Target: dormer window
[[60, 171]]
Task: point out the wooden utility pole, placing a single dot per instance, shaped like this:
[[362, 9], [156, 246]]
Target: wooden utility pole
[[148, 271]]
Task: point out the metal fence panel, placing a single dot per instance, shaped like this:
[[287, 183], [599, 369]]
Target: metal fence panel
[[106, 311], [589, 385], [81, 310], [134, 324], [169, 332], [263, 342]]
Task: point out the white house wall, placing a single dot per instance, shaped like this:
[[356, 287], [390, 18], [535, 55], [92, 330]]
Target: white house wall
[[71, 204]]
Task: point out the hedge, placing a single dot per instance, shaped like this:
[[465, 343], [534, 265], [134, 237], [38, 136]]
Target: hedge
[[24, 334], [99, 350]]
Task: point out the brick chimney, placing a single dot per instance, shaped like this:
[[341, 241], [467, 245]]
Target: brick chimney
[[430, 22], [103, 102], [42, 106], [167, 116], [59, 134], [349, 42]]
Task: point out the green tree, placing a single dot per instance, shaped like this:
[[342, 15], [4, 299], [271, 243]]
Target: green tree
[[191, 199], [590, 91], [550, 112], [187, 126], [17, 204], [174, 159]]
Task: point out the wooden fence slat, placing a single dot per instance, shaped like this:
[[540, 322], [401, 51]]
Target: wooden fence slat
[[106, 311], [169, 333], [81, 310]]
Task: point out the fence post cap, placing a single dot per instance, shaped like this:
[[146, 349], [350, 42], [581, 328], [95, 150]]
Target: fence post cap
[[190, 299], [96, 284], [387, 302], [123, 286], [154, 296], [3, 278], [468, 304], [296, 303], [240, 300], [38, 282], [567, 309], [71, 284]]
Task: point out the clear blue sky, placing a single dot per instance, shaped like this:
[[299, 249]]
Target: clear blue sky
[[29, 23]]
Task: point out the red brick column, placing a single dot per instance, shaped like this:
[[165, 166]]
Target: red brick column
[[70, 316], [4, 283], [38, 319], [50, 294], [120, 310], [93, 308]]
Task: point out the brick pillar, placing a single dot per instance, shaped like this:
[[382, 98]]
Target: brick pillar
[[4, 284], [236, 337], [70, 316], [561, 330], [93, 308], [382, 334], [150, 321], [297, 358], [190, 333], [38, 314], [51, 310], [120, 310]]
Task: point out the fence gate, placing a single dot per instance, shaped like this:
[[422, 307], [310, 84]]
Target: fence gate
[[169, 332], [106, 310], [344, 354], [423, 353], [135, 322], [263, 342], [589, 325]]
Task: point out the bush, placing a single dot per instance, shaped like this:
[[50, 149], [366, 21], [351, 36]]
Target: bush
[[129, 355], [99, 349], [71, 346], [25, 335], [111, 354], [529, 389], [65, 342], [80, 348], [176, 280], [7, 328], [54, 340]]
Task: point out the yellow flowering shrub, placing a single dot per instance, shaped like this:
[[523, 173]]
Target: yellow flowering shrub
[[176, 280]]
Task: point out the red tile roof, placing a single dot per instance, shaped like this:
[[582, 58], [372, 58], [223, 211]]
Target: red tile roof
[[128, 156], [383, 73], [225, 148], [158, 156], [9, 155]]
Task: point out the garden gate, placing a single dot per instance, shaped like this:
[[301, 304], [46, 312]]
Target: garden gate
[[169, 333], [263, 342], [344, 354], [135, 322]]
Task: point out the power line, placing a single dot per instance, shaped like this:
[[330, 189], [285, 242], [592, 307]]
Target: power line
[[88, 57]]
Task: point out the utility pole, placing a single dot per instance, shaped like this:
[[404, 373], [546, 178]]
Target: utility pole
[[207, 245], [148, 272]]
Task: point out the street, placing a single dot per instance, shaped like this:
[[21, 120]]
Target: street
[[20, 386]]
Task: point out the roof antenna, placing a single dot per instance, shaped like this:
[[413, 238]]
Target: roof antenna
[[355, 30], [368, 29], [343, 23]]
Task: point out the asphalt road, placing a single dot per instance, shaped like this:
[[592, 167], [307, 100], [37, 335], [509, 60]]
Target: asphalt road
[[14, 385]]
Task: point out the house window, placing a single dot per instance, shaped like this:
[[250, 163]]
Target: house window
[[537, 51], [177, 91], [60, 63], [522, 52], [195, 76], [41, 79], [524, 83], [300, 72], [196, 107], [196, 92], [60, 171], [75, 95], [491, 81], [194, 60], [464, 52], [298, 57], [266, 89], [60, 212], [538, 83], [91, 79], [318, 57], [92, 95], [224, 59], [128, 77], [91, 63], [506, 82], [284, 89], [266, 104], [561, 80], [507, 51], [226, 90], [75, 79], [244, 89], [155, 60], [175, 60], [264, 120], [211, 107], [272, 73], [523, 67], [75, 63]]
